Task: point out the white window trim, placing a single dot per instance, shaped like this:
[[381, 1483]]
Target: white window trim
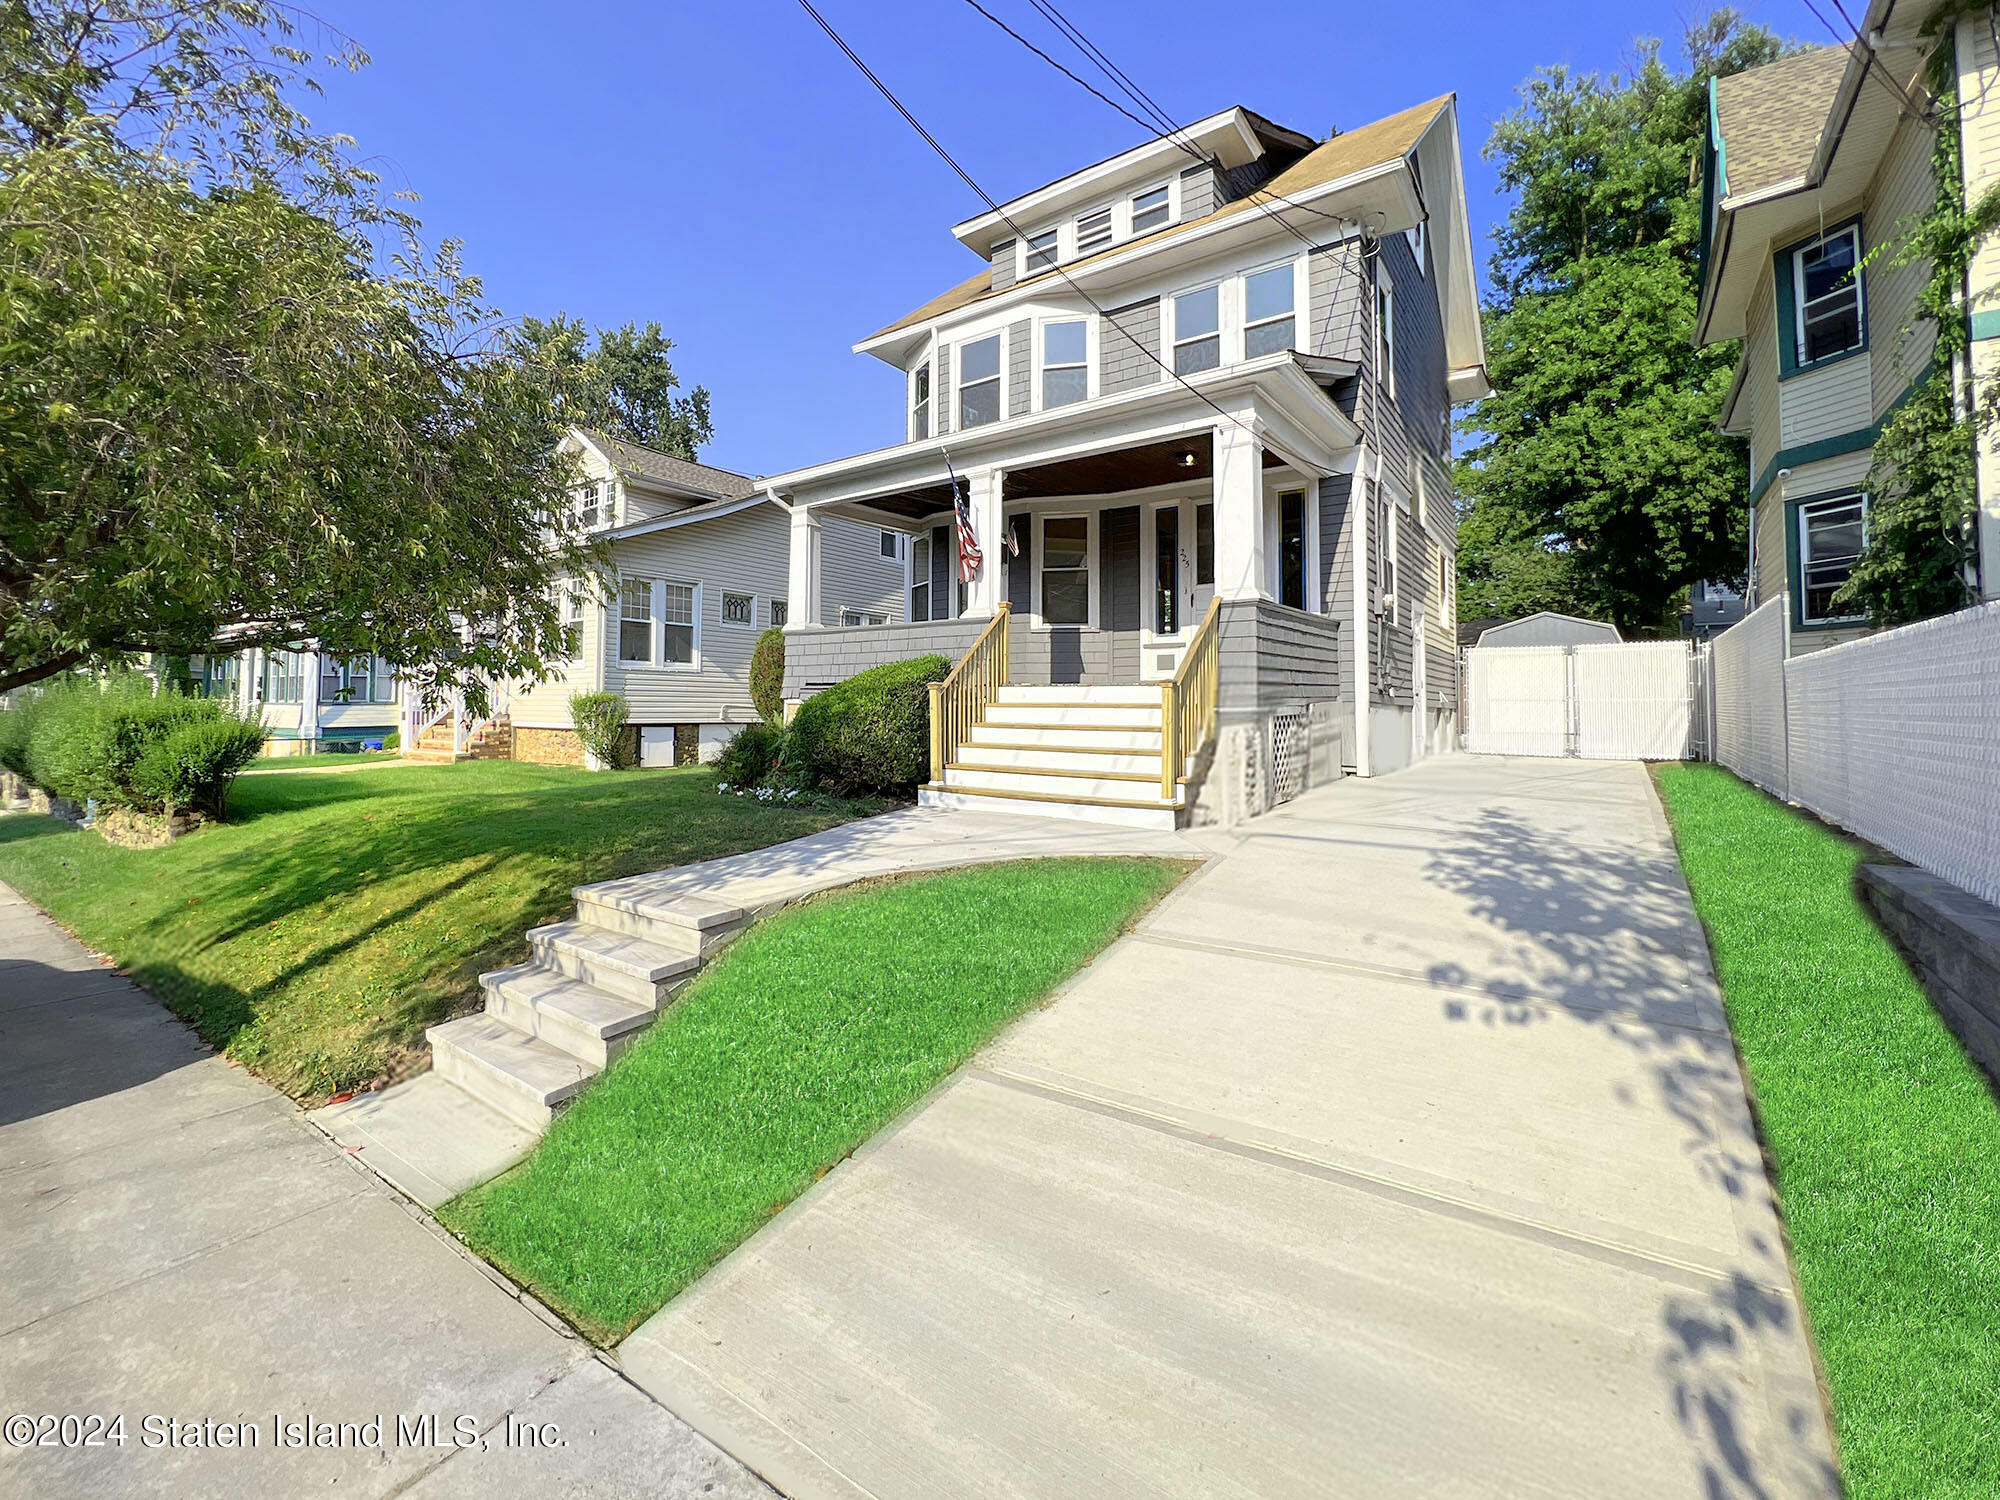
[[1867, 507], [1073, 228], [928, 362], [1275, 490], [1799, 359], [723, 620], [1414, 235], [1023, 249], [1121, 218], [616, 609], [1385, 338], [959, 383], [1039, 363], [1301, 288], [660, 662], [1170, 337], [1089, 518]]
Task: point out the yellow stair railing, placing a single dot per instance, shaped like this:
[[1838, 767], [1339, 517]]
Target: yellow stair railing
[[1187, 702], [959, 700]]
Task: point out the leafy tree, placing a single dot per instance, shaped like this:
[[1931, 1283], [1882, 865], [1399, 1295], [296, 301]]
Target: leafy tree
[[625, 385], [240, 403], [1596, 480]]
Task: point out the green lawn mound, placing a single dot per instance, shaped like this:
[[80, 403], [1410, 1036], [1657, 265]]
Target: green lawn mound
[[1885, 1137], [807, 1036], [316, 935]]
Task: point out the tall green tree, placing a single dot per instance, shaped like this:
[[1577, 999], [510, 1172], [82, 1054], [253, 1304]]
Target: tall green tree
[[240, 402], [1594, 479], [623, 385]]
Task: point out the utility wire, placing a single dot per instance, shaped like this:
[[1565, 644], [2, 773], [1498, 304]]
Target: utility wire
[[986, 197]]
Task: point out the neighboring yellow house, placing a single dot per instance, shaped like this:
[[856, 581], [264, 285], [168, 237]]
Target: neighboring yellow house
[[1812, 165]]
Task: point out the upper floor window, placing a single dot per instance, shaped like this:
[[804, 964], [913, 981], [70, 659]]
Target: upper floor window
[[1415, 235], [920, 402], [1827, 292], [1385, 339], [1268, 325], [979, 382], [1041, 251], [1198, 330], [1150, 209], [1093, 231], [1065, 367], [589, 505], [1831, 534]]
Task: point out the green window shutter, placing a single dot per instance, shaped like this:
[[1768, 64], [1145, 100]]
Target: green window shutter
[[1788, 316]]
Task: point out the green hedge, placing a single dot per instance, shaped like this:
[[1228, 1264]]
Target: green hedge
[[748, 760], [120, 743], [600, 724], [871, 733], [767, 675]]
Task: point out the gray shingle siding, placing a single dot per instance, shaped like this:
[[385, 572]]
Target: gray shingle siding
[[1063, 655], [1336, 557], [1118, 554], [1337, 308], [1020, 567], [855, 575], [1003, 265], [816, 659], [1274, 657], [1200, 192], [1020, 367], [944, 603], [941, 405], [1129, 347]]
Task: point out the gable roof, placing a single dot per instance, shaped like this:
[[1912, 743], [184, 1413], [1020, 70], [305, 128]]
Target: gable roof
[[1770, 119], [1374, 145], [663, 470]]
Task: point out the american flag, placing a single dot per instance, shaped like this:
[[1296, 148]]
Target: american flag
[[969, 556]]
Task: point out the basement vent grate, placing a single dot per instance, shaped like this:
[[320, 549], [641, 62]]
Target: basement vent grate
[[1290, 741]]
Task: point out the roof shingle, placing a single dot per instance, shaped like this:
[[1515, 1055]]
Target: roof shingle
[[650, 463], [1771, 118]]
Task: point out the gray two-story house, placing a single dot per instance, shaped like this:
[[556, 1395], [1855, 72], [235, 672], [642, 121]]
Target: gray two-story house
[[1192, 414]]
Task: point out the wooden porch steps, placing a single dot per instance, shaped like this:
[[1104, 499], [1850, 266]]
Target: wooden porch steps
[[1085, 753]]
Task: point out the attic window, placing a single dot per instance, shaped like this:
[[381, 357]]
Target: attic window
[[1041, 252], [588, 510], [1093, 232], [1150, 210]]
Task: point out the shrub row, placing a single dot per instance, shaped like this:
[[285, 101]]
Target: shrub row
[[867, 736], [122, 744]]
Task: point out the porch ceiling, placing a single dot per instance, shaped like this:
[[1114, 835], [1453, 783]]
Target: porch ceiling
[[1141, 468]]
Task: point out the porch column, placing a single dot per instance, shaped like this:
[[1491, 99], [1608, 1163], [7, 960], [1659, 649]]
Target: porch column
[[989, 584], [802, 606], [309, 699], [1241, 570]]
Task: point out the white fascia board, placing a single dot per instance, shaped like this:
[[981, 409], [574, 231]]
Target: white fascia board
[[1465, 331], [1468, 383], [1228, 135], [1314, 430], [1174, 248], [1726, 422], [692, 517]]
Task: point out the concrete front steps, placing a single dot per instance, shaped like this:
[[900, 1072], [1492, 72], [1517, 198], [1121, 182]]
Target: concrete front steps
[[1088, 753], [492, 740], [589, 987]]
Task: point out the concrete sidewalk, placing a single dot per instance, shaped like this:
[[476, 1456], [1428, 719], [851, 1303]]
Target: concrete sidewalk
[[1402, 1153], [176, 1243]]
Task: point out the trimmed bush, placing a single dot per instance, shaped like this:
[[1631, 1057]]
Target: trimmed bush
[[600, 724], [194, 764], [871, 733], [749, 759], [767, 675]]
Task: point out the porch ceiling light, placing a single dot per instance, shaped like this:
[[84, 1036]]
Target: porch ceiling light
[[1186, 458]]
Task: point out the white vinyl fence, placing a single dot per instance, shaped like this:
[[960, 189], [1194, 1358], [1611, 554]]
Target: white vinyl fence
[[1896, 737], [1625, 701]]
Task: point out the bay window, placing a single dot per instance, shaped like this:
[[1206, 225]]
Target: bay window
[[979, 382], [1065, 367], [1198, 330], [1268, 324], [920, 403]]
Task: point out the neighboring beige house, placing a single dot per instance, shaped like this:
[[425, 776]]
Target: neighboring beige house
[[1812, 163], [1217, 370], [699, 571]]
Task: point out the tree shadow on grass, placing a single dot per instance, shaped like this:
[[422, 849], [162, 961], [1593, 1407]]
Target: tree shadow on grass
[[1599, 927]]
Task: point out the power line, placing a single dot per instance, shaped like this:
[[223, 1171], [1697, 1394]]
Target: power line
[[986, 197], [1073, 78]]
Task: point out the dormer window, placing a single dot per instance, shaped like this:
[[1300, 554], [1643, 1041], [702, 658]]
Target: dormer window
[[1041, 252], [979, 382], [920, 402], [1093, 232], [589, 506], [1150, 209]]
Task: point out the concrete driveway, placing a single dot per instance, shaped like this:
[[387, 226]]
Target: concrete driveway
[[177, 1244], [1402, 1153]]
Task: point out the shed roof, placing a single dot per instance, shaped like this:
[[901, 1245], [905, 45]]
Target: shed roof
[[1547, 628]]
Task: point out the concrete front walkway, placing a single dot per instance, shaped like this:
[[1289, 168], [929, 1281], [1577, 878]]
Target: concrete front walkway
[[176, 1243], [1402, 1153]]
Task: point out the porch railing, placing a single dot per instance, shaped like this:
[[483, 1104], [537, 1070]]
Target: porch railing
[[959, 700], [1187, 702]]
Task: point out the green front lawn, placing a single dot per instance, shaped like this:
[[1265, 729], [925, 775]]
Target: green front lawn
[[321, 758], [804, 1038], [316, 935], [1885, 1136]]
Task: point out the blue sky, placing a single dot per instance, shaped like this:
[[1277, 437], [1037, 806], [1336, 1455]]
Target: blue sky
[[722, 169]]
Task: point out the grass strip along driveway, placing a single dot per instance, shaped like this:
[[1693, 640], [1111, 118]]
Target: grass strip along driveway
[[808, 1035], [314, 936], [1885, 1136]]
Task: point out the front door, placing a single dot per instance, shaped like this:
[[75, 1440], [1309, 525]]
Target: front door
[[1180, 561]]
